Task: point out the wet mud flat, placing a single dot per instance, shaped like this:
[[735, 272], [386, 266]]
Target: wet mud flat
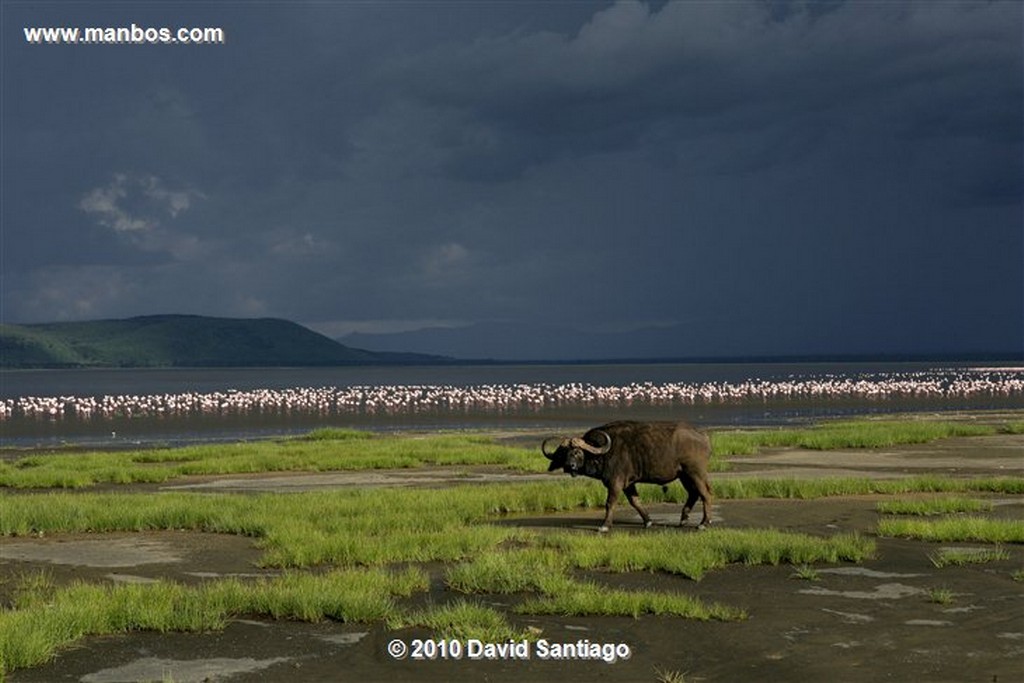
[[872, 621]]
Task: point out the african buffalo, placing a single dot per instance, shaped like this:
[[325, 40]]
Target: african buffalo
[[626, 453]]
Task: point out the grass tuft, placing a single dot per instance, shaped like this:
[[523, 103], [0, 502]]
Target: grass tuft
[[806, 573], [462, 620], [694, 554], [588, 598], [959, 557], [47, 618], [941, 596], [847, 434], [953, 529], [936, 506]]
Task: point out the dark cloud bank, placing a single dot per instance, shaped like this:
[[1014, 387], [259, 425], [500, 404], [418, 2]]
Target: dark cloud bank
[[686, 178]]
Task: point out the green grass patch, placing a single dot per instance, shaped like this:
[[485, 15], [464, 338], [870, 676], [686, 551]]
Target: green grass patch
[[462, 620], [338, 449], [805, 572], [359, 536], [46, 618], [847, 434], [319, 451], [860, 486], [530, 569], [941, 596], [954, 529], [935, 506], [587, 598], [346, 528], [694, 554], [958, 557], [1014, 427]]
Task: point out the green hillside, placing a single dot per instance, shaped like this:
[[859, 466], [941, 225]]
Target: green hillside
[[179, 341]]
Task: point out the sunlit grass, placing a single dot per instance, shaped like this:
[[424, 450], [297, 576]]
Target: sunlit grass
[[806, 573], [357, 538], [859, 486], [381, 526], [953, 529], [530, 569], [941, 596], [959, 557], [47, 618], [848, 434], [338, 449], [694, 554], [588, 598], [934, 506], [462, 620], [320, 451]]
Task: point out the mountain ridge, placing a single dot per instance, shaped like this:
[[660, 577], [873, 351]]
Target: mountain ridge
[[178, 340]]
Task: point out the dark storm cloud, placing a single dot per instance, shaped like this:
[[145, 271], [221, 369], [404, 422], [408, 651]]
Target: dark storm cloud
[[775, 177]]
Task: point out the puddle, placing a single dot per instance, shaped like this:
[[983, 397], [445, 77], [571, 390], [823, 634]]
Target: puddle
[[130, 578], [344, 638], [179, 670], [963, 610], [850, 617], [885, 591], [105, 552], [870, 573]]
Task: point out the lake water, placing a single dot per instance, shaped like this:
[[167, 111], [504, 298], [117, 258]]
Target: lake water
[[40, 408]]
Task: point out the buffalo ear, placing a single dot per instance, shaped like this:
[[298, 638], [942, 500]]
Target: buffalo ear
[[553, 466]]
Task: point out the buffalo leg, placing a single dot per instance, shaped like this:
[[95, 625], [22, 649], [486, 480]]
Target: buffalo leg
[[609, 506], [691, 498], [697, 487], [704, 488], [634, 499]]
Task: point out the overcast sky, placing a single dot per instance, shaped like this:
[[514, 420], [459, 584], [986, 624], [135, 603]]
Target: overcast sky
[[755, 177]]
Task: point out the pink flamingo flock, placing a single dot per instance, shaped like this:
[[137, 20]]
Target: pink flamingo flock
[[397, 399]]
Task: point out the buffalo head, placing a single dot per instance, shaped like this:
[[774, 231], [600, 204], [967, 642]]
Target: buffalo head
[[570, 454]]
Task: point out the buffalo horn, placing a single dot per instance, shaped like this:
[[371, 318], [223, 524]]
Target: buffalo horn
[[596, 450], [544, 446]]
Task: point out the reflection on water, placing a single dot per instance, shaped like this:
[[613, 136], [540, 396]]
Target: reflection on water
[[128, 407]]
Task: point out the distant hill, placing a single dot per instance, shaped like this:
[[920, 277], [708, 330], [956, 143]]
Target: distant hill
[[182, 341]]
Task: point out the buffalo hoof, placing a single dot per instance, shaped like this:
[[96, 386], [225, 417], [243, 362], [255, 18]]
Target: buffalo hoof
[[603, 530], [703, 527], [648, 524]]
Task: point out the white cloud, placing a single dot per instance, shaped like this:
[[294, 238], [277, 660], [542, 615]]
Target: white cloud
[[135, 208], [172, 201], [445, 261], [134, 204], [106, 205]]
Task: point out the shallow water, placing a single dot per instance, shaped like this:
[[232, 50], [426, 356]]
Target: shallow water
[[175, 406]]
